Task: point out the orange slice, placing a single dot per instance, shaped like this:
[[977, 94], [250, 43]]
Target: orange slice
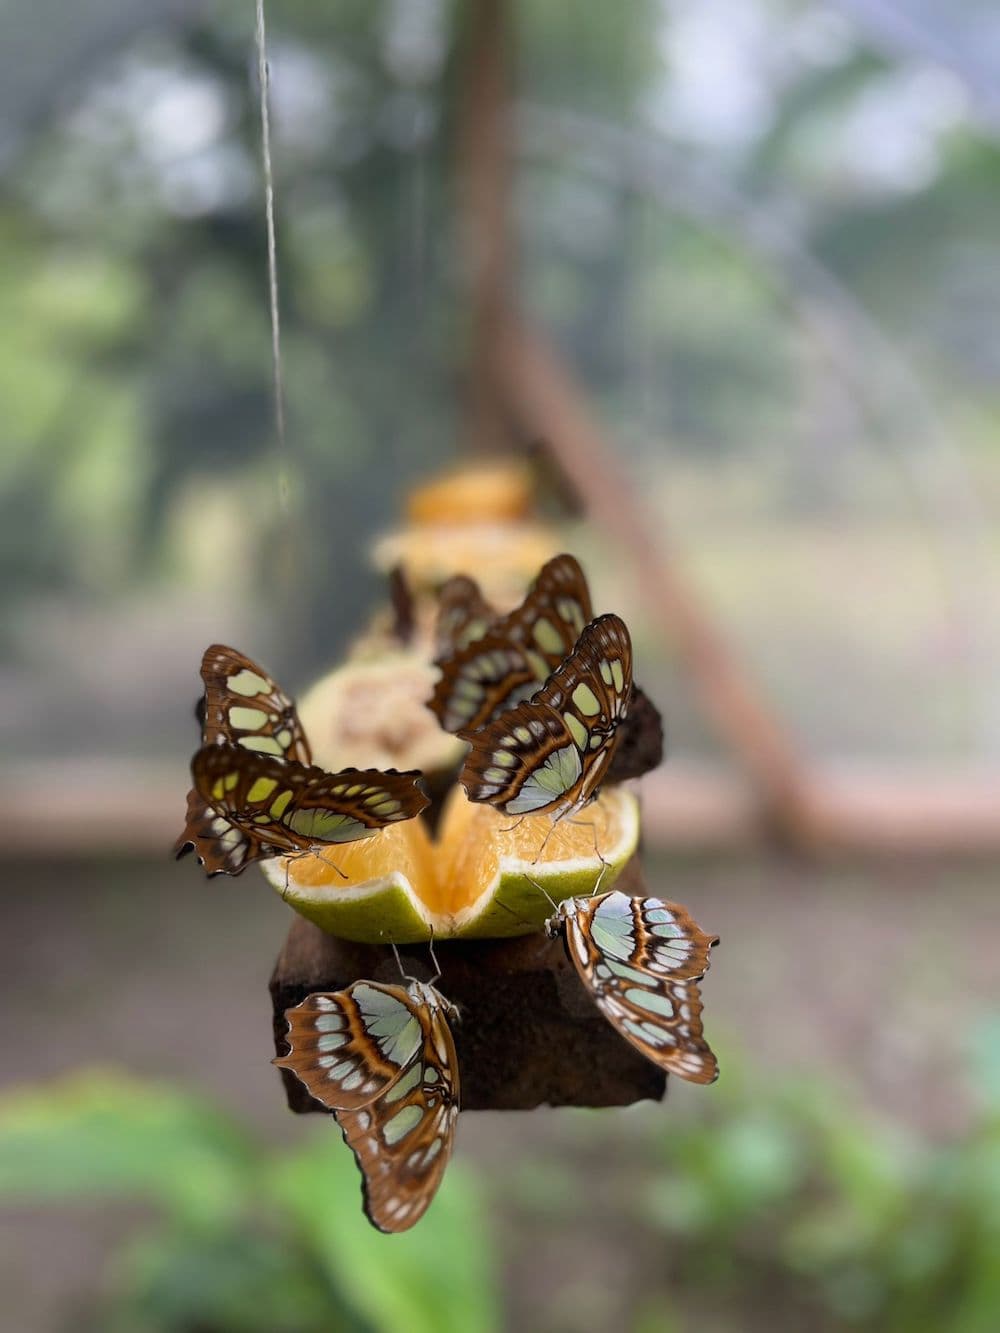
[[487, 875]]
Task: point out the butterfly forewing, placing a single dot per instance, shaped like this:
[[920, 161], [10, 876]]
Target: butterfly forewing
[[291, 808], [349, 1046], [242, 706], [507, 663], [641, 959], [383, 1059], [550, 754], [463, 615]]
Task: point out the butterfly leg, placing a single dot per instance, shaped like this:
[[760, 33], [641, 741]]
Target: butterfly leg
[[605, 866], [545, 841], [314, 851], [437, 966], [399, 963], [511, 827]]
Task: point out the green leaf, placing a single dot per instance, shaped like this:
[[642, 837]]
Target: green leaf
[[101, 1132], [437, 1278]]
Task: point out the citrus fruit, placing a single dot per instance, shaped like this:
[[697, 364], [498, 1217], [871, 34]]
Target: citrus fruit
[[485, 875], [497, 491], [371, 714]]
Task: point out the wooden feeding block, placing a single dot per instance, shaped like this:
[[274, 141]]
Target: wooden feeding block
[[527, 1035]]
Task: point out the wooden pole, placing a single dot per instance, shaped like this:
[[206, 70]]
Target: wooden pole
[[543, 391]]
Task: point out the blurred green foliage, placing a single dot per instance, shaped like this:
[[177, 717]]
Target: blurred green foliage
[[134, 341], [780, 1198], [244, 1241]]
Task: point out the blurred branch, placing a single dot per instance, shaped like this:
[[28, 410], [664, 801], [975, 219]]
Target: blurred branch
[[881, 387], [543, 391]]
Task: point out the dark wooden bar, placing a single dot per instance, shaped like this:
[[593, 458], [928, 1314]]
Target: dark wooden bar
[[528, 1034]]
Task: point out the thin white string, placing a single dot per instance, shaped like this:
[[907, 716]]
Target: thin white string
[[263, 78]]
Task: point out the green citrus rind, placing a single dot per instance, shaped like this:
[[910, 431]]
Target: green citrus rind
[[515, 902]]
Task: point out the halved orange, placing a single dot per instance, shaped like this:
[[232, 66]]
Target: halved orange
[[486, 875]]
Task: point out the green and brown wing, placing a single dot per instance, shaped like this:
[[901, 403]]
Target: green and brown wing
[[550, 754], [241, 706], [285, 807], [382, 1058], [507, 663], [642, 959], [463, 615]]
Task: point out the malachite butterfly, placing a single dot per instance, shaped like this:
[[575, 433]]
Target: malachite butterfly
[[489, 663], [256, 793], [550, 754], [500, 661], [382, 1059], [641, 959]]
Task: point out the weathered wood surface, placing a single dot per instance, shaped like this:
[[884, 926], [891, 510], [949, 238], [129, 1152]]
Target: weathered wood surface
[[528, 1034]]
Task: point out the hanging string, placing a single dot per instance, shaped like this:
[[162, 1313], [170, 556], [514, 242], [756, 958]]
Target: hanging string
[[263, 79]]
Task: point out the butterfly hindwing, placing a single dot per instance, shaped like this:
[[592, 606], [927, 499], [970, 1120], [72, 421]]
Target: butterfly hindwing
[[641, 959], [506, 664], [382, 1058], [221, 847], [241, 706], [550, 754], [292, 807]]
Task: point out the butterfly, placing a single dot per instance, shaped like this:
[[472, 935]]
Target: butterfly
[[498, 661], [488, 662], [550, 754], [382, 1058], [256, 793], [641, 960]]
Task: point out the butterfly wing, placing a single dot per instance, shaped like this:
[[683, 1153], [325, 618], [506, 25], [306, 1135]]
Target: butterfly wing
[[507, 663], [641, 959], [463, 615], [403, 1140], [286, 807], [383, 1059], [242, 706], [350, 1046], [550, 755]]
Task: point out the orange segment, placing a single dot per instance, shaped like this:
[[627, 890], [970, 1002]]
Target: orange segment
[[404, 848], [487, 874]]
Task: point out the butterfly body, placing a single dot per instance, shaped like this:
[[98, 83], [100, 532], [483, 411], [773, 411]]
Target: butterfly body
[[382, 1058], [641, 960], [550, 754]]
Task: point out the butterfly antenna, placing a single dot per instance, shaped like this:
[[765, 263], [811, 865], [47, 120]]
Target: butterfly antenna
[[544, 892], [605, 865], [434, 960], [521, 920], [399, 963]]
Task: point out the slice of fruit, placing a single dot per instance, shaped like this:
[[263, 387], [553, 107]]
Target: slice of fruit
[[485, 876], [371, 714], [495, 491]]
